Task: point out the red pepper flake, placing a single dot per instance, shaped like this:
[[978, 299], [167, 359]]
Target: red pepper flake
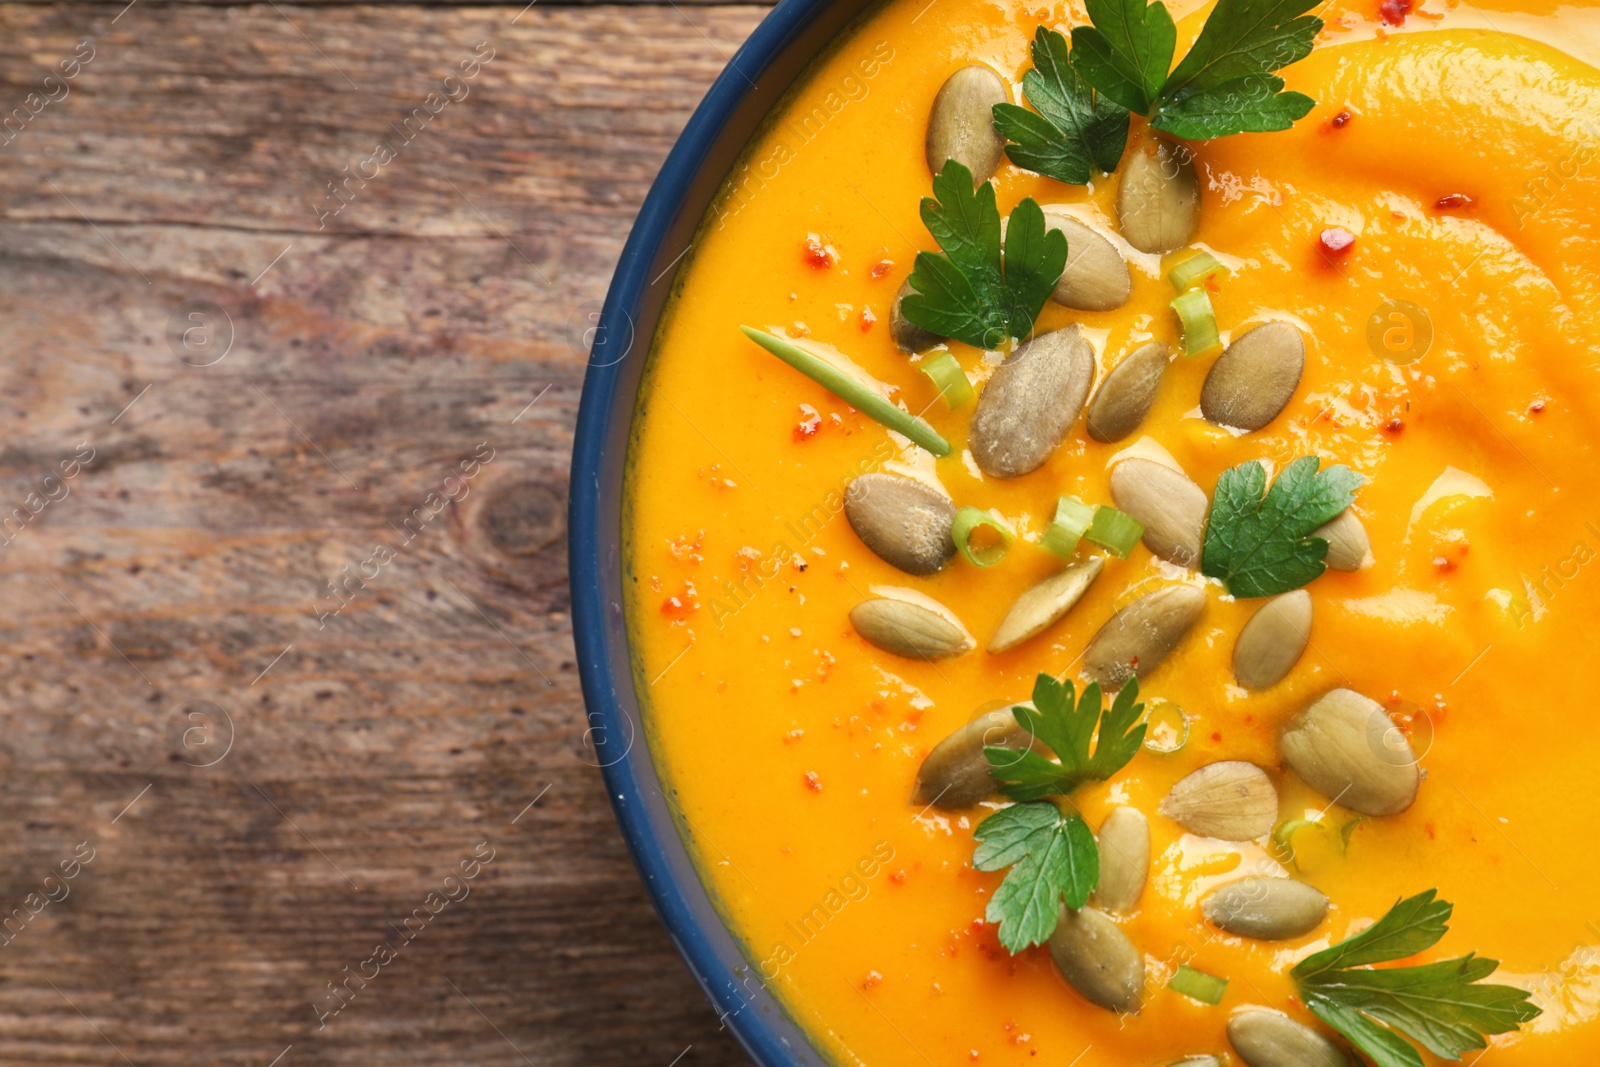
[[1444, 564], [1216, 736], [1341, 120], [818, 256], [713, 474], [1336, 241], [1452, 200], [1536, 407], [872, 979], [1428, 829], [882, 267], [1394, 426], [1394, 12], [686, 549], [867, 319], [810, 422], [682, 604], [986, 939], [747, 557], [898, 877], [813, 783]]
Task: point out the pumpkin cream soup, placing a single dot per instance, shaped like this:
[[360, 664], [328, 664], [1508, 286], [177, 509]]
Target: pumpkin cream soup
[[1113, 533]]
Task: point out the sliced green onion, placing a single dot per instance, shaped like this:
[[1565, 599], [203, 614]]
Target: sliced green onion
[[947, 375], [1196, 268], [1347, 829], [1067, 529], [1206, 988], [852, 391], [966, 523], [1166, 727], [1283, 838], [1114, 531], [1199, 322]]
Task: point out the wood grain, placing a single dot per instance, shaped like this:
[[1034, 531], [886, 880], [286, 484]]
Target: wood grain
[[178, 581]]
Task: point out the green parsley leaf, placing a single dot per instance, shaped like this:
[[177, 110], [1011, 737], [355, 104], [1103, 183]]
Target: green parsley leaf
[[1383, 1047], [1071, 130], [1244, 37], [1252, 104], [1413, 925], [1052, 857], [1259, 546], [1067, 725], [1445, 1006], [970, 292], [1127, 52], [1225, 83]]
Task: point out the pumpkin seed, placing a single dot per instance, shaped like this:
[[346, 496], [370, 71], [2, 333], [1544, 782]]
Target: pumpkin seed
[[1137, 639], [1128, 393], [1096, 276], [1265, 1038], [1273, 641], [905, 522], [1265, 908], [1171, 507], [1158, 203], [961, 126], [1045, 604], [1232, 800], [1096, 957], [1349, 548], [1255, 378], [1347, 749], [908, 335], [1124, 840], [955, 775], [911, 625], [1030, 402]]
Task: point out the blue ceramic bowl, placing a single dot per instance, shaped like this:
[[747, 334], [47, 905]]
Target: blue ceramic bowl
[[774, 57]]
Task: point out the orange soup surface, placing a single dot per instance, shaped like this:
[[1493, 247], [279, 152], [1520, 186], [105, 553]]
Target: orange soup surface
[[1451, 361]]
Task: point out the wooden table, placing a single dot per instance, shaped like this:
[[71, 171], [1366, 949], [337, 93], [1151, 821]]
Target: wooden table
[[275, 659]]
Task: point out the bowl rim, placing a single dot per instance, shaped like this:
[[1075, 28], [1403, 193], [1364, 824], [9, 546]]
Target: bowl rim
[[795, 32]]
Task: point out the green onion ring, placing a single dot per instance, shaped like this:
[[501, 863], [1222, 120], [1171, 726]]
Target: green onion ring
[[1196, 268], [1114, 531], [969, 519], [1206, 988], [1067, 529], [1199, 322], [948, 377], [1161, 718]]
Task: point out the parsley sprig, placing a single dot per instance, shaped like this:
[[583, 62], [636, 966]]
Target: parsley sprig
[[1443, 1006], [1259, 545], [1072, 130], [1052, 856], [1051, 852], [971, 292], [1068, 729], [1224, 85]]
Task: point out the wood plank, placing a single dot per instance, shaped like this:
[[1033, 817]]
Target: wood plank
[[173, 583]]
